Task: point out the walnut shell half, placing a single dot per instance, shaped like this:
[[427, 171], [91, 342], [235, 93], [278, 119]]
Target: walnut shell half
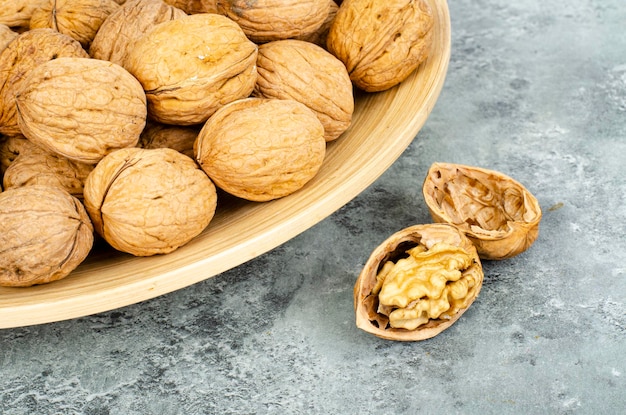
[[498, 214], [44, 235], [442, 250]]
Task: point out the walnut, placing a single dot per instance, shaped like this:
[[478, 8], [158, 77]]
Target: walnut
[[417, 283], [6, 36], [149, 201], [194, 6], [319, 36], [17, 13], [177, 137], [191, 66], [97, 107], [79, 19], [27, 51], [38, 166], [381, 42], [304, 72], [119, 32], [498, 214], [267, 20], [45, 234], [261, 149]]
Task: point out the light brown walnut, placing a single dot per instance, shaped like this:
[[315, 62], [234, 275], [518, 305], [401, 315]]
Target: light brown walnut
[[79, 19], [17, 13], [319, 36], [119, 32], [10, 148], [26, 52], [261, 149], [497, 213], [45, 234], [39, 166], [417, 283], [81, 108], [191, 66], [267, 20], [149, 201], [381, 42], [305, 72]]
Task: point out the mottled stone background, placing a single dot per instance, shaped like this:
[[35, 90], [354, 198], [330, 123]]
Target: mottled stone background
[[536, 89]]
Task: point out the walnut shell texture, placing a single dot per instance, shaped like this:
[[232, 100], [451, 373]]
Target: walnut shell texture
[[45, 234], [119, 32], [27, 51], [261, 149], [369, 319], [497, 213], [81, 108], [267, 20], [17, 13], [189, 67], [305, 72], [79, 19], [149, 201], [10, 148], [381, 42], [38, 166], [6, 36], [177, 137], [319, 36]]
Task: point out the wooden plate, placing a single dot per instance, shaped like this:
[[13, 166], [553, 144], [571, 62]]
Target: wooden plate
[[384, 124]]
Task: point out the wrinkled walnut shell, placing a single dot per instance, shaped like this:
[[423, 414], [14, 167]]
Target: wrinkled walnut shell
[[96, 106], [177, 137], [305, 72], [119, 32], [498, 214], [6, 36], [194, 6], [267, 20], [149, 201], [394, 247], [10, 148], [381, 42], [191, 66], [27, 51], [261, 149], [44, 233], [17, 13]]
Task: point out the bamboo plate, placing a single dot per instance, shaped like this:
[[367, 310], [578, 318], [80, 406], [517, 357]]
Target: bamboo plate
[[384, 124]]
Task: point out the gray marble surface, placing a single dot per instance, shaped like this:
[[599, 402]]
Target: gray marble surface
[[536, 89]]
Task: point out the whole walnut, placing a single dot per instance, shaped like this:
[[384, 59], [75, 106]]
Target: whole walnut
[[98, 107], [149, 201], [305, 72], [27, 51], [267, 20], [79, 19], [17, 13], [381, 42], [191, 66], [194, 6], [261, 149], [45, 234], [39, 166], [6, 36], [178, 137], [119, 32]]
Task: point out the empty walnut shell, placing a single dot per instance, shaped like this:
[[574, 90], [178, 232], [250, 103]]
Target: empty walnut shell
[[381, 42], [149, 201], [44, 233], [375, 319], [498, 214], [191, 66]]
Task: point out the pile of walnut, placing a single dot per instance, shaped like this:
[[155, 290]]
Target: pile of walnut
[[123, 117]]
